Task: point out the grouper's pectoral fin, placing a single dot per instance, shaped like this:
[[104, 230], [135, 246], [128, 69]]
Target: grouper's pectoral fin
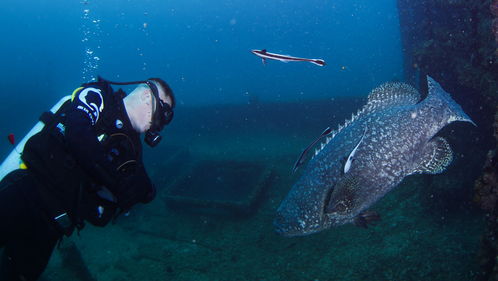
[[437, 156]]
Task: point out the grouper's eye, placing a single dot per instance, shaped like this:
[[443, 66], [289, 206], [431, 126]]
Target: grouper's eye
[[334, 206], [341, 207]]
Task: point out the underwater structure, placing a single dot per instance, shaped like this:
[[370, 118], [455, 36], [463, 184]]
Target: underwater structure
[[461, 36], [486, 195], [456, 42]]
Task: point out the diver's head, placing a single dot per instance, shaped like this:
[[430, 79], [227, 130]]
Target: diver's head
[[165, 92], [150, 106]]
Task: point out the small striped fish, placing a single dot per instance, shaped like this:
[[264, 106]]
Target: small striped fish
[[263, 54]]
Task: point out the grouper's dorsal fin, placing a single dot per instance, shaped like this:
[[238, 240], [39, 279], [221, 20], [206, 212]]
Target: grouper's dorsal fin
[[391, 94], [387, 95], [436, 157]]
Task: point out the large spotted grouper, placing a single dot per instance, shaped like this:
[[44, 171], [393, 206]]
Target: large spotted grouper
[[391, 137]]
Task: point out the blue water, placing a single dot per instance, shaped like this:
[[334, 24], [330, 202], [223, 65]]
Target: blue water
[[202, 48]]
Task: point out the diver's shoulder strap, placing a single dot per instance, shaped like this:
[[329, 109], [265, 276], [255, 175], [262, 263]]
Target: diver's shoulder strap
[[49, 118]]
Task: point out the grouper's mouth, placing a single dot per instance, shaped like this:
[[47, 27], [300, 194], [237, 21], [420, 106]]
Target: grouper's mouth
[[292, 220], [284, 230]]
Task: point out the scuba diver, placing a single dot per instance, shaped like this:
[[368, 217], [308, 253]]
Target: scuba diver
[[84, 165]]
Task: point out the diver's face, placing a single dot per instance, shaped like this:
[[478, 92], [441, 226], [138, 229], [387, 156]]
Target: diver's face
[[162, 111], [162, 95]]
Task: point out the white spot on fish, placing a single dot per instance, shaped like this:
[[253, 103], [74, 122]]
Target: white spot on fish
[[348, 163], [100, 211], [302, 223]]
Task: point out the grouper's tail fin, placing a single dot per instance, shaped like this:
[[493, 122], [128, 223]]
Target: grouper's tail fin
[[437, 92]]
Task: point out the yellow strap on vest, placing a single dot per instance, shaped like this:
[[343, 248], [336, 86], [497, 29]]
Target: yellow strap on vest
[[75, 92]]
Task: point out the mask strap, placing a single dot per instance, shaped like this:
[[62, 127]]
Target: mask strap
[[154, 106], [121, 83]]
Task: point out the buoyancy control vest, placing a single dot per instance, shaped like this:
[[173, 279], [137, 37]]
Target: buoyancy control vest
[[69, 193]]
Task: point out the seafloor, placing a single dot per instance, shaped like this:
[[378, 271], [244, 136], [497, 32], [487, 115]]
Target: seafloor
[[430, 229]]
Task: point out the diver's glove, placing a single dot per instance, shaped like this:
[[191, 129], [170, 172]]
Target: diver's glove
[[132, 189]]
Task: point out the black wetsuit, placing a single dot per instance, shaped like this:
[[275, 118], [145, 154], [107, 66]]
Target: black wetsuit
[[85, 165]]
